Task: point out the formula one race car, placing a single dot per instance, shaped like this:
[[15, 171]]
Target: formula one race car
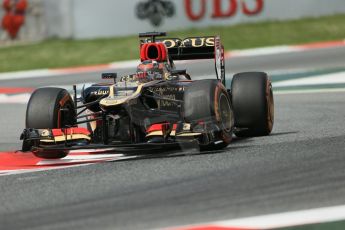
[[157, 108]]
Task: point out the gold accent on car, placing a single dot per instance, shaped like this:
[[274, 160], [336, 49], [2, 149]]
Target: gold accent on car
[[113, 100], [173, 133], [67, 137]]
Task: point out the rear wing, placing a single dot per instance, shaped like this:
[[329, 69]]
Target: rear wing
[[191, 48], [207, 47]]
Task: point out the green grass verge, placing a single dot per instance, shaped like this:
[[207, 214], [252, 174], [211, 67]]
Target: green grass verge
[[339, 225], [65, 53]]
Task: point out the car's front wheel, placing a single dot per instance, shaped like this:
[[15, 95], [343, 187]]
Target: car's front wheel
[[49, 108]]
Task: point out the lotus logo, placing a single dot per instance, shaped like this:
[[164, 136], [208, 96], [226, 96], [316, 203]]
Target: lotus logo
[[155, 10], [45, 133]]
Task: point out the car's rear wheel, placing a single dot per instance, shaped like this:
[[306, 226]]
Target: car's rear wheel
[[49, 108], [253, 103], [208, 100]]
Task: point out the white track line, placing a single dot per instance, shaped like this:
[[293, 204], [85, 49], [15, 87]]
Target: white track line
[[308, 91], [26, 74], [14, 99], [263, 51], [279, 220], [312, 216], [324, 79]]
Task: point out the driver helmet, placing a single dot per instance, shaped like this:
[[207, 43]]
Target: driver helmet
[[150, 70]]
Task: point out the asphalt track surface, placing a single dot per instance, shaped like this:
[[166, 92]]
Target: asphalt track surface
[[300, 166]]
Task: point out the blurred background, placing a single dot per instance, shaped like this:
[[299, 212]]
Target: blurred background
[[82, 32], [85, 19]]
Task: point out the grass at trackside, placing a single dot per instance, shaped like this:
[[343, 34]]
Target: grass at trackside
[[66, 53], [340, 225]]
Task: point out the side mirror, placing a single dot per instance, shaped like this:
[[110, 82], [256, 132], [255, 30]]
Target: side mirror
[[109, 76], [178, 72]]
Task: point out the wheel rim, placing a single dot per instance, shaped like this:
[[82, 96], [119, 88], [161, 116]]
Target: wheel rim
[[225, 112]]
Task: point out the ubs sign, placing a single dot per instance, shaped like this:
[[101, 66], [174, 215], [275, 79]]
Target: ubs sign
[[156, 10], [222, 8]]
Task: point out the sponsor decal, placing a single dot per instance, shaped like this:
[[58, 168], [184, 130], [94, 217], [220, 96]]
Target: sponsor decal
[[100, 92], [169, 92], [222, 9], [155, 11], [189, 42]]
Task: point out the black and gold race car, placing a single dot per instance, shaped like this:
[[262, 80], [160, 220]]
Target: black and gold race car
[[157, 108]]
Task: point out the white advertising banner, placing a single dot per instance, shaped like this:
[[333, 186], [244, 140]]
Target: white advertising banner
[[82, 19], [105, 18]]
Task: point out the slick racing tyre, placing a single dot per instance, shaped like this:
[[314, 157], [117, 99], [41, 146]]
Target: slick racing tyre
[[49, 108], [252, 100], [208, 100]]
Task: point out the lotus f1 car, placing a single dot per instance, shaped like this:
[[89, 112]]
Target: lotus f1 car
[[156, 108]]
